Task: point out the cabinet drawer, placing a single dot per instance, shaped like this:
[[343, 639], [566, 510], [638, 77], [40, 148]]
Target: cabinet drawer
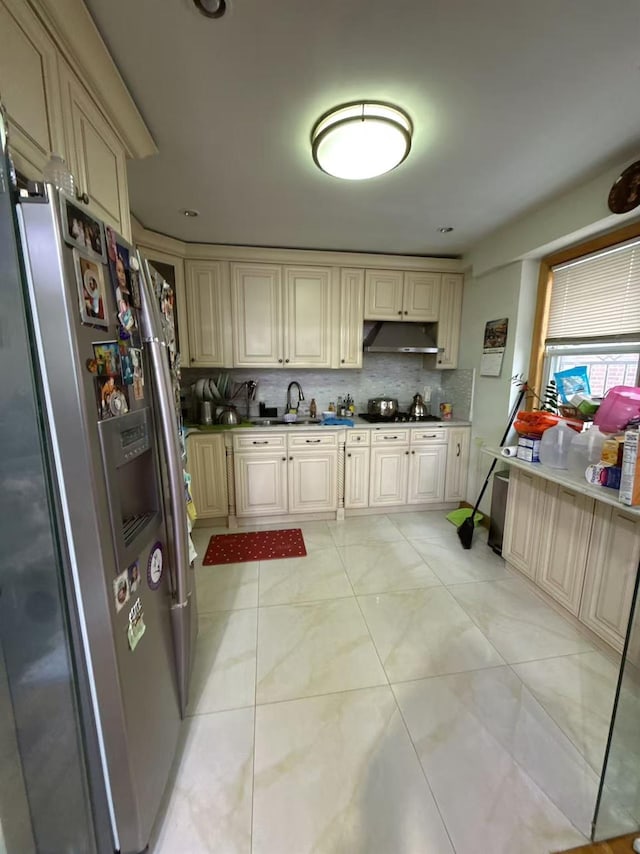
[[313, 440], [389, 436], [359, 438], [251, 441], [426, 436]]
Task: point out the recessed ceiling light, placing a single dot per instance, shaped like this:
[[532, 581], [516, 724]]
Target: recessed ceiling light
[[189, 212], [211, 8], [361, 140], [445, 229]]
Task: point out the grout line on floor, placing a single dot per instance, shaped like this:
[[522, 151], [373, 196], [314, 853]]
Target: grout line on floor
[[255, 715]]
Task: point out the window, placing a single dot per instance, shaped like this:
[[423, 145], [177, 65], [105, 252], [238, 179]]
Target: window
[[589, 313]]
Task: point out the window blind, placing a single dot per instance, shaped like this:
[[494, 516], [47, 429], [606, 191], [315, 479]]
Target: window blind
[[597, 297]]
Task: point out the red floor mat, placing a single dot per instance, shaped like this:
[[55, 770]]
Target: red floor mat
[[254, 545]]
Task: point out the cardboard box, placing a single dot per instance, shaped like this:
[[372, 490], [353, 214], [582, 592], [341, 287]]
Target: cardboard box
[[612, 450], [630, 479], [528, 449]]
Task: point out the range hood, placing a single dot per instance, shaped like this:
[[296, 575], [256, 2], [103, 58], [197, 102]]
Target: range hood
[[389, 336]]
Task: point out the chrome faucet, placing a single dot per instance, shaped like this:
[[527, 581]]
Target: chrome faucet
[[290, 405]]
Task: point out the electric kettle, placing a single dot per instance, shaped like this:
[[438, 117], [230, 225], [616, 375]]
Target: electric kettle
[[418, 408]]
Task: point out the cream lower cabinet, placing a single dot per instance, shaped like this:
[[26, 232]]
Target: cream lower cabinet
[[206, 463], [522, 521], [563, 544], [611, 569], [356, 469], [427, 474], [458, 442], [209, 313], [276, 473], [388, 483], [582, 552]]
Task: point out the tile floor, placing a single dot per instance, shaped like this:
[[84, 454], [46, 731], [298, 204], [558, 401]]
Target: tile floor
[[391, 693]]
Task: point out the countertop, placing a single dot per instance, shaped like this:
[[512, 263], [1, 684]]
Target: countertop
[[565, 478], [358, 422]]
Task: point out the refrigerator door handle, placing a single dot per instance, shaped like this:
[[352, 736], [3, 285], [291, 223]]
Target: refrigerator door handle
[[156, 349]]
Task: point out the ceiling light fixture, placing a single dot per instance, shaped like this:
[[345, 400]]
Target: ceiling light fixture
[[445, 229], [211, 8], [189, 212], [361, 140]]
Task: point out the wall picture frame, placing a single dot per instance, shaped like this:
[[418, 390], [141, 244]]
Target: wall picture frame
[[81, 230], [92, 295]]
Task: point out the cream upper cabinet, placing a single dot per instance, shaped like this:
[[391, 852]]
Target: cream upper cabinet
[[566, 523], [30, 88], [522, 521], [421, 299], [351, 317], [96, 155], [308, 328], [209, 313], [449, 321], [397, 295], [256, 306], [459, 439], [383, 294], [611, 570], [206, 463], [282, 316]]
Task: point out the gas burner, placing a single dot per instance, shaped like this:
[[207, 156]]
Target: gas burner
[[399, 417]]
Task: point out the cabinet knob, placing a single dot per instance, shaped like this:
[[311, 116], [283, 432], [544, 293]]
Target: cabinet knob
[[413, 452], [458, 449], [406, 312], [284, 459], [399, 312], [280, 360], [291, 459], [286, 360], [343, 361], [407, 453], [348, 455]]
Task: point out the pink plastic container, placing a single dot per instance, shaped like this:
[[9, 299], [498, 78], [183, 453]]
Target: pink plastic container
[[620, 405]]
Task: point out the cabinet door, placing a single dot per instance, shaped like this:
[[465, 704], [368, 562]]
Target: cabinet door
[[256, 300], [426, 474], [383, 291], [388, 484], [209, 314], [261, 483], [351, 317], [30, 88], [612, 563], [307, 328], [449, 321], [459, 439], [206, 463], [313, 481], [522, 521], [356, 477], [96, 154], [566, 528], [171, 267], [421, 299]]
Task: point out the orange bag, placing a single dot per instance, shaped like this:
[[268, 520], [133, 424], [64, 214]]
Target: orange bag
[[536, 422]]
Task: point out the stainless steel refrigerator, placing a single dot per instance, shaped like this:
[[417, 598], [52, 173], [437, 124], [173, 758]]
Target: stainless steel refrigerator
[[97, 604]]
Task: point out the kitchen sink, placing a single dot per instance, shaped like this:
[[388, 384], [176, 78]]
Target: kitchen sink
[[301, 422]]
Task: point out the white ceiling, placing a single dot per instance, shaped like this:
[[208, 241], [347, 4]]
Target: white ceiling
[[512, 102]]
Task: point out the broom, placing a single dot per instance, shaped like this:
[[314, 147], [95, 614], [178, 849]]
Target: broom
[[465, 530]]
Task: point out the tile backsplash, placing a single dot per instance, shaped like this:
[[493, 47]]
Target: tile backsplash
[[382, 375]]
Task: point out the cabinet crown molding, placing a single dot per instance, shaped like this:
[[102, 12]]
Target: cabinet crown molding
[[77, 37], [268, 255]]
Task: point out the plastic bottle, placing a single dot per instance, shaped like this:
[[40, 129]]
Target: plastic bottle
[[554, 445], [585, 449], [57, 172]]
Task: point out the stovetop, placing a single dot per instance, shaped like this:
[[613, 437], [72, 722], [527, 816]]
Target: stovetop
[[394, 419]]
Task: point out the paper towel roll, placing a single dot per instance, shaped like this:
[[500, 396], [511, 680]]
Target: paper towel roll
[[509, 451]]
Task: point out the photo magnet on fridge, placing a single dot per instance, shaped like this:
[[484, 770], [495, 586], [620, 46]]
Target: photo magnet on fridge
[[107, 358], [136, 626], [81, 230], [126, 364], [120, 274], [111, 397], [121, 590], [138, 373], [134, 576], [91, 291]]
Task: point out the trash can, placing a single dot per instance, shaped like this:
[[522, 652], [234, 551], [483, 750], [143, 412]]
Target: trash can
[[498, 509]]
